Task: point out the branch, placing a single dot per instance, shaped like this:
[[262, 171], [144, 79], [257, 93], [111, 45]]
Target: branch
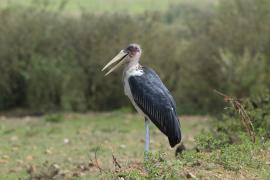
[[115, 162], [97, 165], [237, 106]]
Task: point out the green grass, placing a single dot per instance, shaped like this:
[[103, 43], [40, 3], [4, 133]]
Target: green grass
[[65, 145], [99, 6]]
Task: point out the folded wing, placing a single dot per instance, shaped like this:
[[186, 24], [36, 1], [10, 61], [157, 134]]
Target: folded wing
[[154, 99]]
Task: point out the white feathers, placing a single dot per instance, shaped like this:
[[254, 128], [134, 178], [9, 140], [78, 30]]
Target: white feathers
[[133, 70], [130, 71]]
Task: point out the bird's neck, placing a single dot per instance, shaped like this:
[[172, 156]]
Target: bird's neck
[[133, 64], [132, 68]]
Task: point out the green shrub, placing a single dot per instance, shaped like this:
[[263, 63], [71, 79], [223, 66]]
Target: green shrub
[[52, 61], [158, 167], [228, 134], [236, 156], [258, 107], [211, 141], [54, 118]]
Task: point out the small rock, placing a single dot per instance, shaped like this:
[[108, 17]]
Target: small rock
[[66, 141], [29, 158], [48, 151], [15, 148], [189, 175], [26, 118], [19, 162], [76, 174], [3, 161], [31, 169], [12, 171], [180, 149], [5, 157], [2, 118], [123, 146], [56, 166], [14, 138], [64, 172]]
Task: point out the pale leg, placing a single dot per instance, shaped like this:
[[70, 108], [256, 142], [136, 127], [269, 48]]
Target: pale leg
[[147, 136]]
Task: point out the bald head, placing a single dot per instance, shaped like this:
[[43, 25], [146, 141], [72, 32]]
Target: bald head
[[133, 49]]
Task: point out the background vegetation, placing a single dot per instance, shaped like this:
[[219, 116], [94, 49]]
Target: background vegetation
[[51, 54], [95, 6], [52, 61]]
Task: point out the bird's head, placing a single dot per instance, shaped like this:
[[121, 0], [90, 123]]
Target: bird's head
[[129, 55]]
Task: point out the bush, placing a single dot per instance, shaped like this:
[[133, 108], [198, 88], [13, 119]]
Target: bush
[[51, 61], [229, 143], [234, 157], [258, 107], [227, 131], [211, 141], [54, 118]]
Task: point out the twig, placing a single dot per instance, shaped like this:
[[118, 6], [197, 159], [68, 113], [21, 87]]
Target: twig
[[242, 113], [115, 162], [97, 165], [190, 175]]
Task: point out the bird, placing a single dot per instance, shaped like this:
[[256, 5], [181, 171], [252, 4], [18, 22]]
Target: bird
[[148, 94]]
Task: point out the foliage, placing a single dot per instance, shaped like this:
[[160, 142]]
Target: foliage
[[258, 107], [51, 61], [94, 6], [234, 157], [209, 141], [54, 118], [155, 164], [229, 143], [229, 127]]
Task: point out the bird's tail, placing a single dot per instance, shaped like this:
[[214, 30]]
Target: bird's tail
[[174, 135]]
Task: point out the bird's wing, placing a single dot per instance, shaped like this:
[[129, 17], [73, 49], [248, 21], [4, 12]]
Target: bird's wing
[[154, 99]]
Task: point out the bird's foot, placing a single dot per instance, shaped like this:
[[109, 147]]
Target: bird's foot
[[146, 155]]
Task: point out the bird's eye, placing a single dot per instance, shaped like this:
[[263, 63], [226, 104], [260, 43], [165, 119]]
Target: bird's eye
[[133, 49]]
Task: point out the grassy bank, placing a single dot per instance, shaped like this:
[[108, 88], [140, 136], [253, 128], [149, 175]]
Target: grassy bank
[[64, 146]]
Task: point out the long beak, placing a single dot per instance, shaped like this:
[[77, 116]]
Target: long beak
[[118, 58]]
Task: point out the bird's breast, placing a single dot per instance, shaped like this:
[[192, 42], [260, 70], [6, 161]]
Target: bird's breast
[[128, 72], [126, 75]]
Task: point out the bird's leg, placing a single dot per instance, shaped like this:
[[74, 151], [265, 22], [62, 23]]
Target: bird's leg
[[147, 137]]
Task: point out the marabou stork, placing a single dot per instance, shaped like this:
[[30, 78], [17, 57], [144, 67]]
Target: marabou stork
[[148, 94]]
